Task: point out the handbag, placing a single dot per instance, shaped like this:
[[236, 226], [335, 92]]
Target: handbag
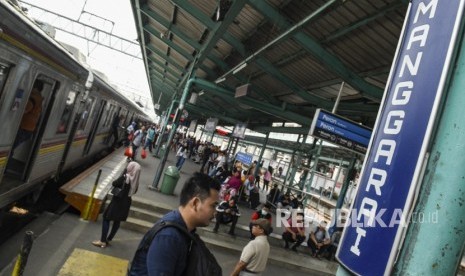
[[128, 152], [118, 186], [143, 154]]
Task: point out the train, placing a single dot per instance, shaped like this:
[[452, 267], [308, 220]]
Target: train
[[67, 124]]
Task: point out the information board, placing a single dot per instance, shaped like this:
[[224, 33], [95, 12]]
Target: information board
[[245, 158], [340, 131]]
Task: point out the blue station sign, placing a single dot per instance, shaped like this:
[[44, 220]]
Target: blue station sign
[[340, 131], [245, 158], [397, 153]]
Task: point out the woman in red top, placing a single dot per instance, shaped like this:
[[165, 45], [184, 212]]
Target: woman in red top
[[234, 184]]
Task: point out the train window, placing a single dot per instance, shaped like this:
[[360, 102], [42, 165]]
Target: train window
[[4, 69], [125, 113], [65, 119], [108, 114], [85, 114]]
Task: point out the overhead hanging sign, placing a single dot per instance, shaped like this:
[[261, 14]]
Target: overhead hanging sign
[[239, 130], [340, 131], [210, 125], [393, 165], [193, 126]]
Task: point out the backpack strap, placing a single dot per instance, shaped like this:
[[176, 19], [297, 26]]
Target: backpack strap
[[159, 226]]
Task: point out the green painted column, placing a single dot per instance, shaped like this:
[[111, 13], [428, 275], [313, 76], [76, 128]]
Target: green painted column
[[162, 132], [289, 180], [434, 245], [262, 151], [315, 165], [175, 125], [342, 194]]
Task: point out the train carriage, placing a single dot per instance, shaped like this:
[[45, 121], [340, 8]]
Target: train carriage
[[75, 114]]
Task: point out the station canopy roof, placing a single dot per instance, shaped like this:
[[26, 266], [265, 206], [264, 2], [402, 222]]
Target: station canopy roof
[[294, 55]]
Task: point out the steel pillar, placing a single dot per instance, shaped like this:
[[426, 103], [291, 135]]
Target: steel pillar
[[435, 245]]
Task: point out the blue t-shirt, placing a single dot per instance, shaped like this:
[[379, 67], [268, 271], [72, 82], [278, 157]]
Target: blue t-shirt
[[168, 251], [151, 134]]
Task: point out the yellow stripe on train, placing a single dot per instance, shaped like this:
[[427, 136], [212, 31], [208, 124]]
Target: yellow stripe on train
[[3, 161], [51, 149]]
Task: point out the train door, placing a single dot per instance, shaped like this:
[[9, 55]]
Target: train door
[[33, 123], [68, 122], [94, 128]]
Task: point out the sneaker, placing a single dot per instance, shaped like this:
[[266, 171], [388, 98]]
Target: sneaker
[[99, 244]]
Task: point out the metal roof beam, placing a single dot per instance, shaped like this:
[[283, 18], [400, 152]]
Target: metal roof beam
[[218, 30], [209, 113], [208, 22], [319, 52], [174, 77], [268, 67], [256, 104], [362, 22], [176, 31], [234, 111], [173, 28], [290, 130], [162, 91], [153, 65], [193, 11], [161, 77], [188, 56], [162, 55], [166, 69]]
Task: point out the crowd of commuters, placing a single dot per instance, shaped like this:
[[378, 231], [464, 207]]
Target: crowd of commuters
[[213, 192]]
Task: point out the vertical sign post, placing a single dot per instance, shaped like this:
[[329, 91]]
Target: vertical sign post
[[397, 151]]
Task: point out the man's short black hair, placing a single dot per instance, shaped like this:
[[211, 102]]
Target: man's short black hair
[[198, 185]]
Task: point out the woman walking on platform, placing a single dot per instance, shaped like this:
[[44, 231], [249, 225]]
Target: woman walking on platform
[[118, 209]]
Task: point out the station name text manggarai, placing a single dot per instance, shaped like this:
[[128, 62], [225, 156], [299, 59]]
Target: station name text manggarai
[[401, 96]]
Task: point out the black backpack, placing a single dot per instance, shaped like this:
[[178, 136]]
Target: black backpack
[[201, 261]]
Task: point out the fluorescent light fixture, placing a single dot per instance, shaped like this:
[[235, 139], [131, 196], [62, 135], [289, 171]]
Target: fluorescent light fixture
[[220, 80], [242, 66]]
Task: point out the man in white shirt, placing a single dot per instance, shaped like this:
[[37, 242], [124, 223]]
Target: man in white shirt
[[318, 240], [219, 161], [255, 254]]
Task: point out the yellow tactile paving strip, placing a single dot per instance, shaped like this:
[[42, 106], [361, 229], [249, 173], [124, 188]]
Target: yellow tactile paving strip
[[87, 263]]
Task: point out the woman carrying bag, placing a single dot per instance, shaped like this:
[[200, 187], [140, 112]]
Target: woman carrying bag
[[118, 209]]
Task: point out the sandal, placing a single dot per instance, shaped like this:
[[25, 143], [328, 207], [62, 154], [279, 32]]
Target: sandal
[[99, 244]]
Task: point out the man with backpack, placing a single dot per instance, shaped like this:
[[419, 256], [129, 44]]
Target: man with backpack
[[172, 247]]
